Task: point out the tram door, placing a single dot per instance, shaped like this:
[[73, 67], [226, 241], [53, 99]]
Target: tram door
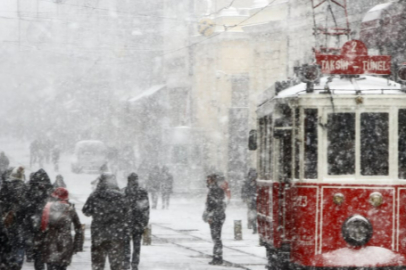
[[283, 160]]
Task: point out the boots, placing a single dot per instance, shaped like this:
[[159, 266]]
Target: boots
[[216, 261]]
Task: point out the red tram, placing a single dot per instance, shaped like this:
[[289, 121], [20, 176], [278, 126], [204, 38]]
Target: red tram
[[331, 191]]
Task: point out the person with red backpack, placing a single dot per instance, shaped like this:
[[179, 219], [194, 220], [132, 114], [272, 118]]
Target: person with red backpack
[[57, 218]]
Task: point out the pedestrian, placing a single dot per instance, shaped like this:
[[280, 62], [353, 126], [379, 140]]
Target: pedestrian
[[249, 196], [4, 162], [5, 246], [166, 186], [57, 219], [106, 206], [154, 185], [137, 219], [39, 190], [215, 215], [13, 206], [59, 182], [56, 153]]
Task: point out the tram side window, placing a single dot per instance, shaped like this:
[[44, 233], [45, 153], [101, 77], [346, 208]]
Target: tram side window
[[262, 135], [269, 138], [341, 143], [402, 143], [310, 152], [297, 143], [374, 143]]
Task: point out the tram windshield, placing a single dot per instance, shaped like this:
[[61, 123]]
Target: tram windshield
[[341, 144], [374, 144]]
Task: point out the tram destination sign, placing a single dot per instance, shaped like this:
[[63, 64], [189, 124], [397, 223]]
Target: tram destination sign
[[354, 60]]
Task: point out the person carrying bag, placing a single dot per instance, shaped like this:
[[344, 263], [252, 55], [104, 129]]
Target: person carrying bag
[[58, 243]]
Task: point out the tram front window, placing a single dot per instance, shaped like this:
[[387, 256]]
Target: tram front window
[[402, 143], [374, 143], [341, 144]]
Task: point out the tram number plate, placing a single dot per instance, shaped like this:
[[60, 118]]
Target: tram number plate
[[301, 201]]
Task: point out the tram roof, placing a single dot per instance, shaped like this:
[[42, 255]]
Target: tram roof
[[346, 86]]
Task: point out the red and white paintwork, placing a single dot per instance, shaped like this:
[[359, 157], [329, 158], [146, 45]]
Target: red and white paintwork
[[308, 219]]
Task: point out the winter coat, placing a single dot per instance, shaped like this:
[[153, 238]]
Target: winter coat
[[58, 244], [39, 190], [166, 183], [249, 193], [138, 208], [215, 205], [4, 240], [106, 205], [13, 205]]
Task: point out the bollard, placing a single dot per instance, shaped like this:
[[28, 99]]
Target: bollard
[[237, 230], [146, 236]]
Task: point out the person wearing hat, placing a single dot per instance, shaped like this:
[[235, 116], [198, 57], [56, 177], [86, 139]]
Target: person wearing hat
[[13, 206], [57, 218], [215, 215], [137, 219], [106, 205]]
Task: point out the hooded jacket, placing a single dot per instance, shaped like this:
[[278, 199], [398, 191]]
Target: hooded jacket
[[13, 205], [138, 205], [215, 205], [106, 205], [57, 219], [39, 190]]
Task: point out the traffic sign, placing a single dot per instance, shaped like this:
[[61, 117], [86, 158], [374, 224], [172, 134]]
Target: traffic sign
[[354, 60]]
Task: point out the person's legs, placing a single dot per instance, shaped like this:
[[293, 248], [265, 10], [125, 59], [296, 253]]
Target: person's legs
[[98, 256], [127, 252], [116, 253], [136, 250], [16, 258], [215, 229]]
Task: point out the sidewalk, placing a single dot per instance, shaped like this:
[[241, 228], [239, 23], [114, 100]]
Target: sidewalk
[[181, 240]]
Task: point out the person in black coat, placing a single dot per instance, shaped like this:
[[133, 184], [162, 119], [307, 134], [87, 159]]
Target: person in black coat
[[106, 205], [13, 206], [5, 246], [137, 219], [215, 215], [249, 196], [39, 190]]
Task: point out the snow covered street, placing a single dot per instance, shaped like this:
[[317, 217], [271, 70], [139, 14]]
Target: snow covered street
[[180, 238]]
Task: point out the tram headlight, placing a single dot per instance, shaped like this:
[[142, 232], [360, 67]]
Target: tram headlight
[[357, 230], [376, 199], [338, 198]]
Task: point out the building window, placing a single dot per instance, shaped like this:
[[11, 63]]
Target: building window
[[374, 143], [341, 144]]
